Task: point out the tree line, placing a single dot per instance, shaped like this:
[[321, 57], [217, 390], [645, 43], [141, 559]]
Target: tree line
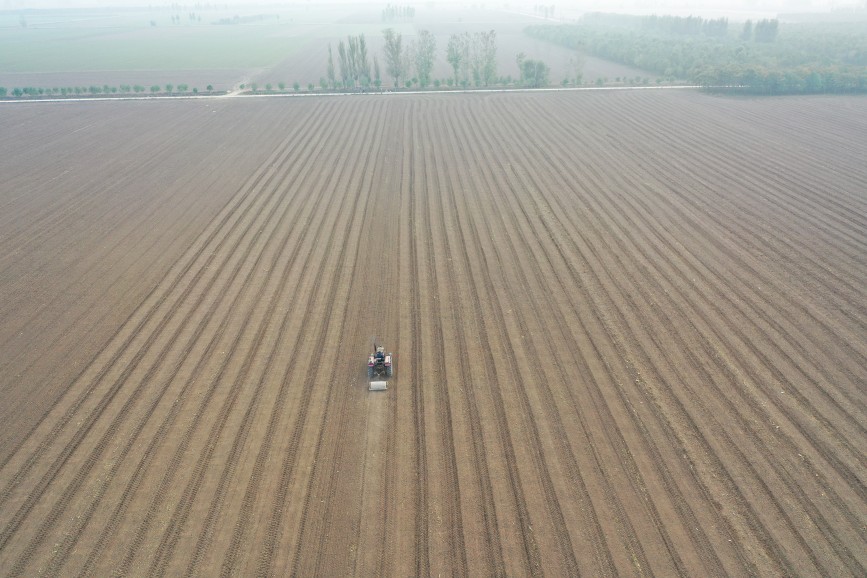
[[473, 58], [533, 73], [685, 25], [544, 10], [764, 58], [764, 31], [398, 13], [354, 62], [96, 90]]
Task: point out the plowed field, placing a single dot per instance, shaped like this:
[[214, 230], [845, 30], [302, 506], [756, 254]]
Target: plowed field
[[630, 332]]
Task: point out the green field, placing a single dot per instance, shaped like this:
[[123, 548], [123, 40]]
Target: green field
[[56, 50], [96, 40], [224, 48]]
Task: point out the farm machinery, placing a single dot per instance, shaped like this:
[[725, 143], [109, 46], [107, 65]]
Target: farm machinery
[[379, 366]]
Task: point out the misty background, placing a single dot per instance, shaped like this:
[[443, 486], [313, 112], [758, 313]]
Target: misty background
[[746, 8], [124, 47]]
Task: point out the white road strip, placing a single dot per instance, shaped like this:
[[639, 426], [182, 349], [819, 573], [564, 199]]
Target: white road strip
[[333, 94]]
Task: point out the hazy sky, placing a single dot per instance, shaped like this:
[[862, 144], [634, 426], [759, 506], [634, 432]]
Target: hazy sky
[[614, 5], [570, 8]]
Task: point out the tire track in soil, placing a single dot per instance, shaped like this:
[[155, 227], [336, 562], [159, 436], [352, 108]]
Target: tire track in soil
[[755, 181], [690, 522], [491, 183], [107, 292], [9, 453], [680, 348], [37, 491], [146, 310], [724, 296], [615, 437], [111, 431], [782, 473], [429, 191], [531, 556], [265, 557], [387, 503], [329, 537], [136, 478], [493, 551], [507, 179], [334, 392], [71, 204], [754, 144], [179, 519], [838, 463], [790, 179], [380, 291], [105, 226], [576, 276], [761, 480], [253, 486], [393, 545], [422, 552], [371, 519], [772, 322], [681, 505], [103, 217]]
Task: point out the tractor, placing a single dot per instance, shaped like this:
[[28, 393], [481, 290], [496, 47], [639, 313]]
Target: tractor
[[379, 366]]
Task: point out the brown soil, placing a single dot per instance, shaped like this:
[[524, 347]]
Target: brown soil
[[630, 333]]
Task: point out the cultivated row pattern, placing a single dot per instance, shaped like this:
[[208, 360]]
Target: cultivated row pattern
[[630, 333]]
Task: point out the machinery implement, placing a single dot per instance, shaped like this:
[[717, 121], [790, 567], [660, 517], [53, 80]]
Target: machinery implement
[[379, 365]]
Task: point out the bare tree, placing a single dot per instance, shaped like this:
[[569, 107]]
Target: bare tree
[[477, 58], [482, 57], [423, 55], [363, 61], [330, 69], [343, 63], [352, 59], [520, 60], [393, 54], [576, 63], [455, 54], [534, 73], [377, 78], [406, 61], [488, 46]]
